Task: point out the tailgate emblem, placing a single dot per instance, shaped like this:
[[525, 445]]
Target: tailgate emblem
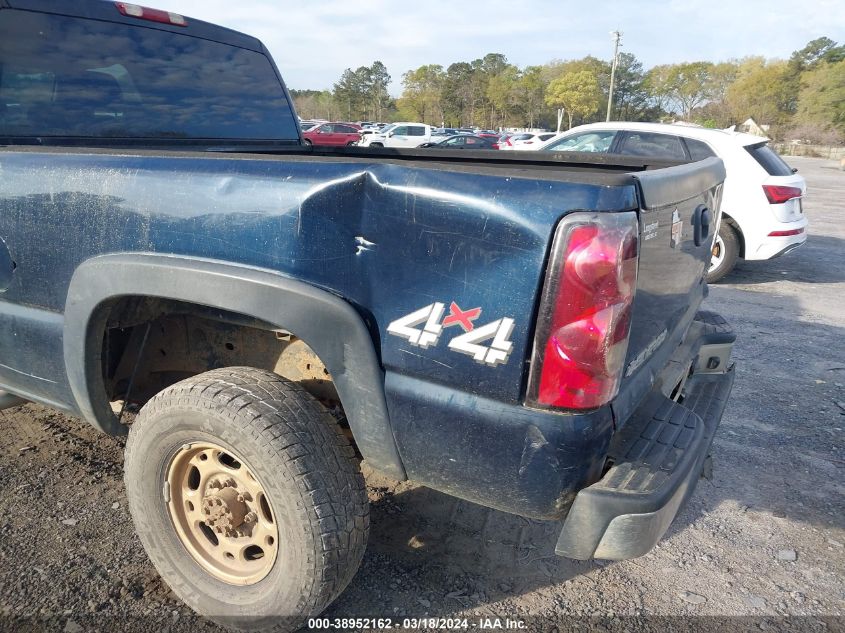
[[645, 354], [677, 228]]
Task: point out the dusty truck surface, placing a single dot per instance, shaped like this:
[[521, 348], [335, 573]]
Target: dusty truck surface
[[521, 331]]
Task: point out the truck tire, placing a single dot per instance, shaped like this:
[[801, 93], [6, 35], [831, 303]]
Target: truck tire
[[247, 498], [725, 253]]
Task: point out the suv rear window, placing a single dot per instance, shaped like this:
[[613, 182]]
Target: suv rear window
[[698, 150], [769, 160], [652, 145], [70, 77]]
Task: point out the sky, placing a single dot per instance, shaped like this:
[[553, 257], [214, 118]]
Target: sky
[[313, 42]]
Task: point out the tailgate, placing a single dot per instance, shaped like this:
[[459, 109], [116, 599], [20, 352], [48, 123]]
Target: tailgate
[[679, 209]]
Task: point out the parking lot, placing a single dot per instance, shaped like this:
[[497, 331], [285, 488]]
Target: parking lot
[[765, 538]]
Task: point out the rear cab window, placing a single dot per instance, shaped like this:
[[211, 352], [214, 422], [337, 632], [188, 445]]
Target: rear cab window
[[769, 160], [64, 76]]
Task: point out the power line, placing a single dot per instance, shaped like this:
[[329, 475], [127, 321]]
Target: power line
[[617, 36]]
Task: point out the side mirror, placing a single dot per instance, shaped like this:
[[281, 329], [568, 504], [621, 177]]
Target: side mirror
[[389, 134], [794, 170]]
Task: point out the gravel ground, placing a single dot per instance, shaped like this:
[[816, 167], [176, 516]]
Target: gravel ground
[[761, 545]]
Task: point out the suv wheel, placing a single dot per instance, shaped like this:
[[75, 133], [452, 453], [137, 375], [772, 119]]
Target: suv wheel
[[247, 497], [725, 253]]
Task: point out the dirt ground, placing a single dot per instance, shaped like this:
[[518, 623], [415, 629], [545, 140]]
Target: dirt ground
[[761, 546]]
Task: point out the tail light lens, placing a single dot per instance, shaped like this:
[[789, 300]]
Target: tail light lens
[[495, 146], [585, 312], [786, 233], [778, 194]]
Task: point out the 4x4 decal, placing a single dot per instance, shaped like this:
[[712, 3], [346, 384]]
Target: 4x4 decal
[[470, 342]]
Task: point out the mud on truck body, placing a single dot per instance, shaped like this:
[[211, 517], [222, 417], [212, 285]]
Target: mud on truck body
[[522, 331]]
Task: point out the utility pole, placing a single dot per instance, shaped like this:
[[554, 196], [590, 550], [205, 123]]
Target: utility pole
[[617, 36]]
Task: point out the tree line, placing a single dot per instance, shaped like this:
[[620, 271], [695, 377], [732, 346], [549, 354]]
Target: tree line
[[801, 97]]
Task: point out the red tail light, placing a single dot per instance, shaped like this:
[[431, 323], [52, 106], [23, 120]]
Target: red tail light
[[585, 312], [153, 15], [786, 233], [495, 146], [778, 194]]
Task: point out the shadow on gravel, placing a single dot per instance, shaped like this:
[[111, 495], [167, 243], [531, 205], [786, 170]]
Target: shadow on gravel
[[433, 554], [821, 260]]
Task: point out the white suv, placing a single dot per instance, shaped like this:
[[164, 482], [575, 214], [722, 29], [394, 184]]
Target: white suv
[[399, 135], [762, 213]]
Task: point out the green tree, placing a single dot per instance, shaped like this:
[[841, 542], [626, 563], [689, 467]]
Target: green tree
[[532, 87], [460, 94], [690, 85], [821, 50], [578, 93], [658, 85], [821, 101], [630, 96], [379, 80], [314, 104], [761, 91], [422, 94], [362, 93], [505, 96]]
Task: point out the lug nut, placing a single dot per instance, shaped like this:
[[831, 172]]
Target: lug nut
[[250, 517], [214, 484]]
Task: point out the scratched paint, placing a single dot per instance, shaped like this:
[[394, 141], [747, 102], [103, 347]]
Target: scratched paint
[[389, 237]]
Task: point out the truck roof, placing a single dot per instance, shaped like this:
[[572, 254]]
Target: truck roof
[[108, 11]]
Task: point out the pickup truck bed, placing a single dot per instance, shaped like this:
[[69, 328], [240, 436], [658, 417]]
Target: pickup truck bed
[[387, 231]]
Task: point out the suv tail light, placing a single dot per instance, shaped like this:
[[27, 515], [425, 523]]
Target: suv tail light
[[778, 194], [585, 312], [153, 15]]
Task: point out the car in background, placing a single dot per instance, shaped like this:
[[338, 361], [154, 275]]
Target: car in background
[[308, 125], [762, 210], [333, 134], [402, 134], [462, 141], [526, 141]]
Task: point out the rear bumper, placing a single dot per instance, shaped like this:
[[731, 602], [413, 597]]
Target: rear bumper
[[657, 460], [770, 247]]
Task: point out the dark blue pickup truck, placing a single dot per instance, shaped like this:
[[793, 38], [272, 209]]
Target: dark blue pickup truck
[[515, 329]]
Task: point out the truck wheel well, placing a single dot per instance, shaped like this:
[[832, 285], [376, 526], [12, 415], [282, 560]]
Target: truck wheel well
[[163, 341]]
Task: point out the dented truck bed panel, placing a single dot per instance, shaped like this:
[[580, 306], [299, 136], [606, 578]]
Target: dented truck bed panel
[[391, 239]]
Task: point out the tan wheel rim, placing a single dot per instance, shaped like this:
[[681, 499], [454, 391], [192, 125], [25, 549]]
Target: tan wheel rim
[[221, 513]]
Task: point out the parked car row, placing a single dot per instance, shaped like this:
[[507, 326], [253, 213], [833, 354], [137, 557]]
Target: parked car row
[[412, 134]]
